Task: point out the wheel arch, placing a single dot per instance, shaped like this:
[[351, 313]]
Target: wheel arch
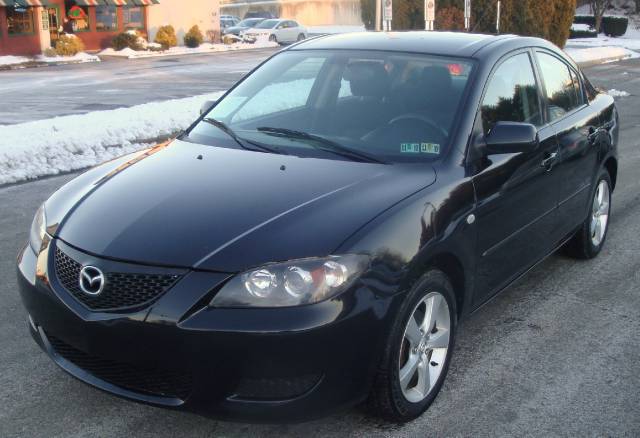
[[611, 165], [453, 268]]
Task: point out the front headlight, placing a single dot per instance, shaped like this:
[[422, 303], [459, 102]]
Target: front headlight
[[293, 283], [38, 229]]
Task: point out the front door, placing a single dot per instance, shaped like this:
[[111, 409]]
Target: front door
[[516, 192], [54, 23]]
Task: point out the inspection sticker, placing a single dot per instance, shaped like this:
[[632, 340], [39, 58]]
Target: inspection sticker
[[416, 148]]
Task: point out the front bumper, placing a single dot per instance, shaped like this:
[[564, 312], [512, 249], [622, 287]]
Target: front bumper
[[288, 364]]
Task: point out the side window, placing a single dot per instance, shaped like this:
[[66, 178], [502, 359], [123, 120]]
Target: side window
[[577, 87], [561, 87], [512, 94]]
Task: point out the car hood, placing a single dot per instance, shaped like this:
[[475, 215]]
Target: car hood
[[190, 205]]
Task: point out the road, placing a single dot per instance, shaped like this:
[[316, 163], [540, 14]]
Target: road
[[43, 93], [558, 354]]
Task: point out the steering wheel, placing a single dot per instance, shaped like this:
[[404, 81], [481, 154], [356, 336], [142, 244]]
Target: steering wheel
[[422, 118]]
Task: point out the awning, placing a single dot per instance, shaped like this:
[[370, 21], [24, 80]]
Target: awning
[[89, 2], [144, 2], [23, 3], [116, 2]]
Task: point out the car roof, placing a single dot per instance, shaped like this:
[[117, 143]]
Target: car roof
[[435, 43]]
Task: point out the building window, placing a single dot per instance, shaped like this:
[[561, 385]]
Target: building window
[[79, 18], [19, 22], [106, 18], [133, 18]]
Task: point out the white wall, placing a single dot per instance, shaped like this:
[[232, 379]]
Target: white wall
[[182, 14]]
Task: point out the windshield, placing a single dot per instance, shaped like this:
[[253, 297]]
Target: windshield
[[267, 24], [388, 106], [250, 22]]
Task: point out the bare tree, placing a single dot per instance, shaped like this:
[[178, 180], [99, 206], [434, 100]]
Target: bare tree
[[599, 7]]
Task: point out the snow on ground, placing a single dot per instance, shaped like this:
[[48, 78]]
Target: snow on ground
[[591, 55], [11, 60], [617, 93], [580, 27], [76, 59], [79, 58], [48, 147], [181, 50]]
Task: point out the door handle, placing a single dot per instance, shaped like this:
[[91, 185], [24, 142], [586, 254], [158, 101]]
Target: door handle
[[548, 162]]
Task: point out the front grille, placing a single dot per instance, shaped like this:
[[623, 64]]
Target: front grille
[[122, 291], [151, 381]]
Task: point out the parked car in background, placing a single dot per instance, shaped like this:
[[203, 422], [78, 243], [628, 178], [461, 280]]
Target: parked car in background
[[278, 31], [228, 21], [241, 27]]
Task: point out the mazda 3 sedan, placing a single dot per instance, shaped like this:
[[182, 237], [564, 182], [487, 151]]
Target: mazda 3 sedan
[[312, 240]]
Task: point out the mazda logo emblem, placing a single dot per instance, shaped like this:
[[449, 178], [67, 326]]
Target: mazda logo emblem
[[91, 280]]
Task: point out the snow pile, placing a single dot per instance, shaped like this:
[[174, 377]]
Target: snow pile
[[79, 58], [581, 27], [11, 60], [590, 55], [181, 50], [617, 93], [48, 147]]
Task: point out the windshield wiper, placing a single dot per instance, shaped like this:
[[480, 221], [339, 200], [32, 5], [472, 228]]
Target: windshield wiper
[[331, 146], [231, 133]]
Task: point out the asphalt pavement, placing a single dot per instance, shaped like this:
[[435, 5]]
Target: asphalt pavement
[[46, 92], [557, 354]]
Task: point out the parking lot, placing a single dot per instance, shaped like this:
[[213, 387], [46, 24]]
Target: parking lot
[[558, 354]]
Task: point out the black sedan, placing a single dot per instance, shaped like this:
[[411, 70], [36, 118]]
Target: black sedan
[[313, 239]]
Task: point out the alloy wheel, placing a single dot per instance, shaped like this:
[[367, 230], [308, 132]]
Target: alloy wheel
[[600, 213], [424, 347]]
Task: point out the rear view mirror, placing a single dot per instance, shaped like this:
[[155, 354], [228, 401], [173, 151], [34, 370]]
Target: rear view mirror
[[511, 137], [207, 106]]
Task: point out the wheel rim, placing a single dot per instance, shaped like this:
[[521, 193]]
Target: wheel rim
[[600, 213], [424, 347]]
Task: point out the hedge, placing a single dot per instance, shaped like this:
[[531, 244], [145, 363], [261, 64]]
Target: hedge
[[585, 19], [615, 26]]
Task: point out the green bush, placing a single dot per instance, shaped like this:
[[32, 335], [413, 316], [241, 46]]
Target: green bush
[[69, 45], [585, 19], [166, 37], [126, 39], [194, 37], [50, 52], [615, 26], [449, 18], [549, 19]]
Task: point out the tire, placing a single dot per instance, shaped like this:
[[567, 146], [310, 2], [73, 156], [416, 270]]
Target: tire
[[301, 37], [273, 38], [389, 398], [584, 244]]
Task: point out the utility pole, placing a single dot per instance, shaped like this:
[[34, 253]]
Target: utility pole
[[498, 19], [467, 14], [387, 14], [429, 14], [378, 15]]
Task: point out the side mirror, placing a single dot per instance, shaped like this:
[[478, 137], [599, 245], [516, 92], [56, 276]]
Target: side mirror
[[511, 137], [207, 105]]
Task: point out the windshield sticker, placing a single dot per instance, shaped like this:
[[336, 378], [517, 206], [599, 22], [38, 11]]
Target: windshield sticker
[[417, 148]]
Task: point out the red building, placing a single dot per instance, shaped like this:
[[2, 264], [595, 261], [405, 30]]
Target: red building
[[27, 27]]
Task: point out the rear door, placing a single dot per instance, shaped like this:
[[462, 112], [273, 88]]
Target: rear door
[[576, 125], [516, 192]]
